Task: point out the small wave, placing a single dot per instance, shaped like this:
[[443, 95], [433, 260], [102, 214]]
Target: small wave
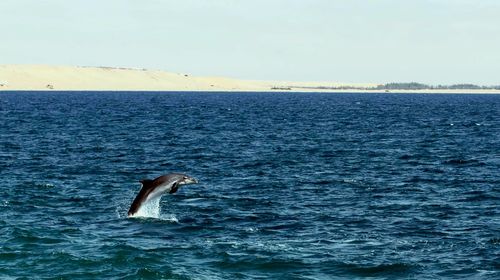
[[323, 182], [433, 170], [251, 229], [42, 185], [169, 218], [477, 197], [379, 270], [350, 181], [406, 157], [418, 179], [494, 241], [194, 199], [149, 273], [332, 154], [458, 161]]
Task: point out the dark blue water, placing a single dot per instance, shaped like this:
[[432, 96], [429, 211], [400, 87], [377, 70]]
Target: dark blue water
[[292, 186]]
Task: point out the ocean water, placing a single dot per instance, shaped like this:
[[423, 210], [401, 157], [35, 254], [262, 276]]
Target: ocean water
[[292, 185]]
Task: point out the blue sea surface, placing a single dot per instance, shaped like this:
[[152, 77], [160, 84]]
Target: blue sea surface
[[292, 185]]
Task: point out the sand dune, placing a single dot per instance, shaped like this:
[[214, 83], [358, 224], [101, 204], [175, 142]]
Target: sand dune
[[43, 77]]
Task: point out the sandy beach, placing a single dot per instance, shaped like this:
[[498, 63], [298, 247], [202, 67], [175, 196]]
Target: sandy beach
[[69, 78]]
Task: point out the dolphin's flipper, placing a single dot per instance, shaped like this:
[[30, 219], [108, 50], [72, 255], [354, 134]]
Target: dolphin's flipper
[[174, 188]]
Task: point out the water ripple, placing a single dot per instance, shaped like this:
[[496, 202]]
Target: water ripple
[[292, 186]]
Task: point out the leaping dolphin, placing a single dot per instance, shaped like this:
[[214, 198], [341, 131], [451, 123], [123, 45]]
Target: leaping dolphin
[[152, 189]]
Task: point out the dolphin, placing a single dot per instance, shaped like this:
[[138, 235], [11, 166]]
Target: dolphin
[[152, 189]]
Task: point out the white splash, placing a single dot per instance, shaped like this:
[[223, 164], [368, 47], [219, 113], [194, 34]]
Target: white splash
[[150, 209]]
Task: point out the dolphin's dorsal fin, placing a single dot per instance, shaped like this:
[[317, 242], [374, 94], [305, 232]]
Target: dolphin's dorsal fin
[[146, 183]]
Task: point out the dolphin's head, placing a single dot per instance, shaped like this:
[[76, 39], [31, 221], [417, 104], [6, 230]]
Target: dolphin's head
[[181, 180], [186, 180]]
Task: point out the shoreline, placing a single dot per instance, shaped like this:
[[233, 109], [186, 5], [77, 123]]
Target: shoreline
[[85, 79], [464, 92]]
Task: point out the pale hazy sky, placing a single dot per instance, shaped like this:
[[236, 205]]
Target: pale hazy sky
[[431, 41]]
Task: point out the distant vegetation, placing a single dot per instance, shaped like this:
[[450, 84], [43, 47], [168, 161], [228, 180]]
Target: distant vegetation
[[410, 86], [406, 86]]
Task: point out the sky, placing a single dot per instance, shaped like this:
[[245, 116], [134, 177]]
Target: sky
[[352, 41]]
